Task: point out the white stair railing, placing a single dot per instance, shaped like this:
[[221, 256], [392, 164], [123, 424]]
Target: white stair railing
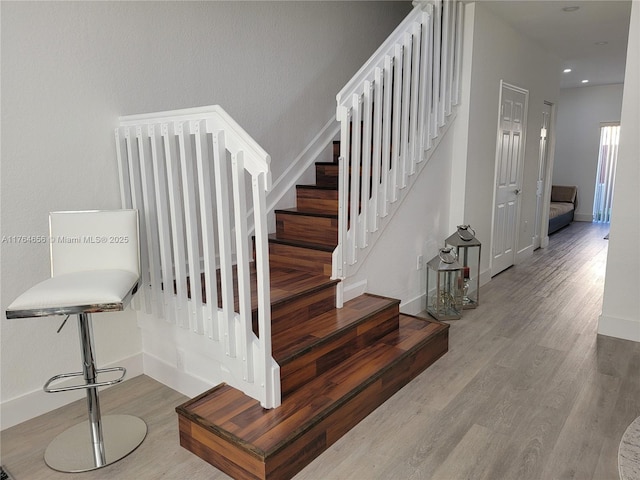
[[392, 113], [185, 171]]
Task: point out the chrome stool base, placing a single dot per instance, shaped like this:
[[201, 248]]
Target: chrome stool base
[[72, 450]]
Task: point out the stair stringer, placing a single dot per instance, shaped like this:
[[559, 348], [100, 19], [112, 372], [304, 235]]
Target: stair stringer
[[286, 183]]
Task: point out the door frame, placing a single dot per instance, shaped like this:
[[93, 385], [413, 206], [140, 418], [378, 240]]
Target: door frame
[[540, 234], [548, 179], [525, 116]]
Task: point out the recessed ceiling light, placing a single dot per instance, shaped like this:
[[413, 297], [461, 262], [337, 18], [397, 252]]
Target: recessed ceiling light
[[570, 9], [585, 81], [566, 70]]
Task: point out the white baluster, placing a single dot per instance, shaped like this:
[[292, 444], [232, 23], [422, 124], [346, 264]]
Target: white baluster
[[191, 226], [355, 178], [376, 157], [152, 249], [243, 327], [263, 291], [414, 151], [203, 159], [395, 132], [224, 240], [366, 165], [386, 136], [162, 221], [137, 203], [123, 169], [445, 100], [177, 223], [426, 85], [457, 73], [344, 117], [435, 93], [406, 109]]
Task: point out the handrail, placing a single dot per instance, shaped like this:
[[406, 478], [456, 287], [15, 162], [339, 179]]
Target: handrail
[[259, 160], [187, 172], [394, 38], [392, 113]]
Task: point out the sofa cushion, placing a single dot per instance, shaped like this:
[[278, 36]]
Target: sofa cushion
[[558, 208], [564, 193]]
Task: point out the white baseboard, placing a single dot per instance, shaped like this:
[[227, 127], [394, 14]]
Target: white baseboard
[[524, 253], [37, 402], [545, 241], [414, 306], [583, 217], [625, 328], [350, 292], [485, 276], [167, 374]]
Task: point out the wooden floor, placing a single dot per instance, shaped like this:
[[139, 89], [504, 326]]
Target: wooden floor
[[527, 390]]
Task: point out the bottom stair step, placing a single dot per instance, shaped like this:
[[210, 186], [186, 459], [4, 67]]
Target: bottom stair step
[[234, 433]]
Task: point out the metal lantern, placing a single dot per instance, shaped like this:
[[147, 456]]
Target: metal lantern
[[444, 286], [467, 248]]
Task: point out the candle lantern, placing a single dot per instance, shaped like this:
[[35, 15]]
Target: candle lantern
[[467, 248], [444, 286]]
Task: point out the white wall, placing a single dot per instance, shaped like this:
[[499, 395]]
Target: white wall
[[501, 53], [580, 112], [69, 69], [621, 303], [419, 227]]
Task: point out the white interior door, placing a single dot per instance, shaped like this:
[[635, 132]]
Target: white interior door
[[508, 183], [545, 132]]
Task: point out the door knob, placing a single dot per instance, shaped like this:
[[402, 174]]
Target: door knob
[[517, 191]]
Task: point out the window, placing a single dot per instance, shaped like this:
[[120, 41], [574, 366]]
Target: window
[[603, 198]]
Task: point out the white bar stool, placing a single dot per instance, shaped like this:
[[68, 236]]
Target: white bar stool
[[95, 268]]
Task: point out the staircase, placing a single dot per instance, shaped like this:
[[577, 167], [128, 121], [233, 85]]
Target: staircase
[[336, 365], [297, 373]]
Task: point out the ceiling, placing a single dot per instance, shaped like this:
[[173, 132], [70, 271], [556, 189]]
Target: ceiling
[[577, 36]]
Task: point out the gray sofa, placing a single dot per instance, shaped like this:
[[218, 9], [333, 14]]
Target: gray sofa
[[562, 207]]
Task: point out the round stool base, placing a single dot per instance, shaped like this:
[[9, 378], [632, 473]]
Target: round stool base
[[72, 451]]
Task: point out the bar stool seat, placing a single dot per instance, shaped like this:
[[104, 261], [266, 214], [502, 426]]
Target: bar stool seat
[[88, 278], [77, 292]]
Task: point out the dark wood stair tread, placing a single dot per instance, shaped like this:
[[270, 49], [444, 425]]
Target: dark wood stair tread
[[286, 283], [289, 282], [295, 211], [278, 443], [318, 187], [289, 345], [273, 238]]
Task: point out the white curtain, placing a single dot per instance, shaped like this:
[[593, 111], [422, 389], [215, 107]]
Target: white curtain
[[603, 198]]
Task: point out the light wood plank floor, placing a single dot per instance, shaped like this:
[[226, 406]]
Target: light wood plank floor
[[528, 390]]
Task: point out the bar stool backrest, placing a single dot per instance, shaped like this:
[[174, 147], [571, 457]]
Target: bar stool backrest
[[94, 240]]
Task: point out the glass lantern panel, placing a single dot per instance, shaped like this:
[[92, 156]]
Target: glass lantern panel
[[444, 294], [467, 248], [469, 258]]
